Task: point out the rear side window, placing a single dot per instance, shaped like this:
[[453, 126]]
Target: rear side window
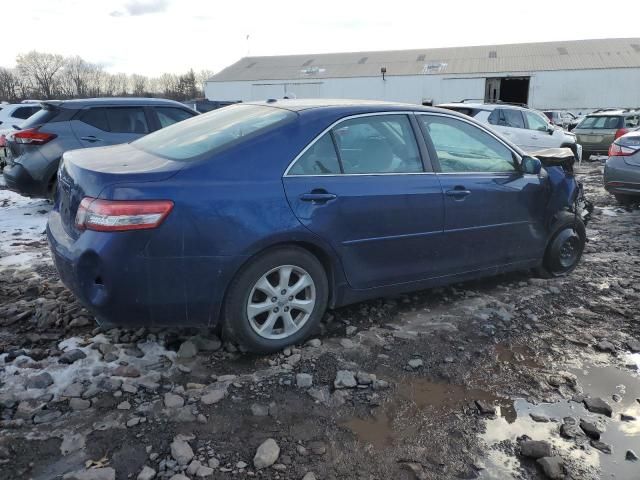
[[377, 144], [127, 120], [170, 115], [601, 122], [96, 117], [24, 112], [319, 159], [202, 134], [47, 115], [507, 118], [462, 147]]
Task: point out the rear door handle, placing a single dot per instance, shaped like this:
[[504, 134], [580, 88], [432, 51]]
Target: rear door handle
[[317, 197], [459, 193], [91, 138]]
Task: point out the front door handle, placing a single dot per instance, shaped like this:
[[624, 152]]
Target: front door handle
[[459, 192], [91, 138], [317, 197]]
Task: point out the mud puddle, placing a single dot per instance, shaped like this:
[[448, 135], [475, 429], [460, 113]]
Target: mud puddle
[[418, 401], [581, 459]]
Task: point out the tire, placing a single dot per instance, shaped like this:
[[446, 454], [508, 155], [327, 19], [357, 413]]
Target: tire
[[586, 155], [565, 248], [259, 322], [51, 189], [623, 199]]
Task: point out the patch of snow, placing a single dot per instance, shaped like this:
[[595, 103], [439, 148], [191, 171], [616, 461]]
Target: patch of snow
[[22, 230]]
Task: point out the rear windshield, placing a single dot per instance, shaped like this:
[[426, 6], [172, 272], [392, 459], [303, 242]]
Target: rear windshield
[[601, 122], [39, 118], [189, 139]]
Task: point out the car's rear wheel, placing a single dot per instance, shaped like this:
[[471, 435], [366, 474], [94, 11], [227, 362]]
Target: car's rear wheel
[[276, 300], [565, 248]]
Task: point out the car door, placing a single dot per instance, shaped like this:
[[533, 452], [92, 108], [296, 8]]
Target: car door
[[364, 187], [494, 214], [91, 127], [540, 134], [510, 124]]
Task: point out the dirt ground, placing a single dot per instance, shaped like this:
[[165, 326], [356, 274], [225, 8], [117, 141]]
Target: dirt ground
[[448, 383]]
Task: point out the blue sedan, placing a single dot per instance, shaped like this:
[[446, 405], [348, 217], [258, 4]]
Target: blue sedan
[[263, 215]]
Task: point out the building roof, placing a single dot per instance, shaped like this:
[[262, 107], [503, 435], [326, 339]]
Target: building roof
[[519, 57]]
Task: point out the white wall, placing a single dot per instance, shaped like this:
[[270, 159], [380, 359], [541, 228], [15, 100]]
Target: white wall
[[566, 89]]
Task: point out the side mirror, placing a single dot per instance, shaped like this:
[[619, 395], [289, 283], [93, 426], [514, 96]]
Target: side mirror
[[531, 165], [550, 129]]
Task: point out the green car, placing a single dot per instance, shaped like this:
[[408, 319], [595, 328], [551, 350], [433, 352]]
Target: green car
[[597, 131]]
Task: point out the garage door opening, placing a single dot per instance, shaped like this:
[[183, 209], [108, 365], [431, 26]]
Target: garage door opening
[[507, 89]]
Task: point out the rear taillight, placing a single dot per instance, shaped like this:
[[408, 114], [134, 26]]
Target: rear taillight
[[3, 141], [620, 132], [32, 136], [121, 215], [616, 150]]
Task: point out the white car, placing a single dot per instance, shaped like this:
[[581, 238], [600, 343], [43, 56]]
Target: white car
[[527, 128], [15, 113]]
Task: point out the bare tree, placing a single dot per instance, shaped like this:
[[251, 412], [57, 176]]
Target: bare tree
[[201, 77], [138, 85], [8, 85], [42, 71]]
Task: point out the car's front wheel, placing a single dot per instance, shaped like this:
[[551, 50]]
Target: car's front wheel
[[276, 300], [565, 248]]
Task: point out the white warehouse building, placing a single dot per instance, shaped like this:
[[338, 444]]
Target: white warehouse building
[[573, 75]]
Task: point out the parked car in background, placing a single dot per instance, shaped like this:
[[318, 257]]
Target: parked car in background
[[261, 215], [597, 131], [528, 129], [15, 113], [622, 168], [202, 105], [35, 149], [566, 120]]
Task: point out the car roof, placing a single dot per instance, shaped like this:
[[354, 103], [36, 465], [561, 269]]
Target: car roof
[[614, 113], [297, 105], [108, 101], [483, 106]]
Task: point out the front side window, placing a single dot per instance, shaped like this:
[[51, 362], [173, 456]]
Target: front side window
[[170, 115], [462, 147], [202, 134], [536, 122], [319, 159], [507, 118], [377, 144]]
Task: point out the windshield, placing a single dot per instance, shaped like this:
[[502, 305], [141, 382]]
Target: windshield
[[601, 122], [189, 139]]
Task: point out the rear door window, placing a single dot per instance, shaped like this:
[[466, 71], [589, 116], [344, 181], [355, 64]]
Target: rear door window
[[170, 115], [377, 144], [96, 117], [504, 117], [127, 120], [319, 159]]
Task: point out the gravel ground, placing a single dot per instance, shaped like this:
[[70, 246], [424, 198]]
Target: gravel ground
[[508, 377]]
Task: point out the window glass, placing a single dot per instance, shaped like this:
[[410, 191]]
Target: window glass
[[204, 133], [96, 117], [319, 159], [601, 122], [512, 118], [24, 112], [170, 115], [461, 147], [378, 144], [536, 122], [631, 122], [127, 120]]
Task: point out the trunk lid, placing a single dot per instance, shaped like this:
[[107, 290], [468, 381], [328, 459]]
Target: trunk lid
[[86, 173]]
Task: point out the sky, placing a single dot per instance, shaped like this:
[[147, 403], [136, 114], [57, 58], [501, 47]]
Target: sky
[[151, 37]]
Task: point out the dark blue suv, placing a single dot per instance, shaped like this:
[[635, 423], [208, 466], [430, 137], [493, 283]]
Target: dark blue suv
[[34, 150], [263, 215]]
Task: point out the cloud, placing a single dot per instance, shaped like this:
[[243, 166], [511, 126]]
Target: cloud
[[136, 8]]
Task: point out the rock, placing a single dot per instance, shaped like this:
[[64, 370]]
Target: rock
[[631, 456], [181, 451], [633, 346], [364, 378], [259, 410], [147, 473], [46, 416], [193, 467], [535, 448], [555, 380], [314, 342], [187, 350], [213, 396], [72, 356], [207, 344], [309, 476], [294, 359], [570, 430], [605, 346], [485, 408], [267, 454], [72, 443], [598, 405], [42, 380], [591, 429], [241, 464], [346, 343], [126, 371], [603, 447], [213, 463], [345, 379], [73, 390], [179, 476], [380, 385], [304, 380], [540, 418], [317, 448], [204, 471], [124, 406], [171, 400], [351, 330], [78, 404], [106, 473], [79, 322], [616, 398], [552, 467], [415, 363]]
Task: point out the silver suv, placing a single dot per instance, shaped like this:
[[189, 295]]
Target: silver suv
[[527, 128]]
